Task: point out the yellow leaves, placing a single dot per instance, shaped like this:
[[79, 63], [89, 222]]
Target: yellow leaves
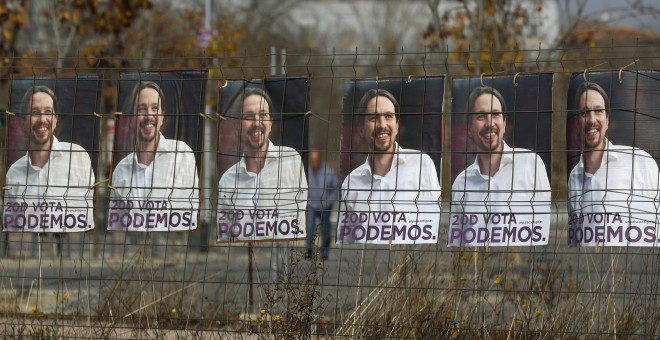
[[7, 35], [192, 16], [220, 45], [101, 24], [461, 16], [214, 73], [120, 16], [18, 17], [490, 9], [15, 16], [509, 41], [519, 57], [505, 57], [65, 16], [144, 4], [109, 29], [471, 64], [238, 35], [484, 56], [489, 37]]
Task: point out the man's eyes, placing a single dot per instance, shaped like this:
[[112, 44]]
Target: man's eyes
[[256, 116], [144, 109], [484, 116], [595, 111], [37, 112], [388, 116]]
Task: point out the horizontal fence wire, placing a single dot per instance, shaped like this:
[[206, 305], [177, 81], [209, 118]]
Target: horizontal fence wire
[[206, 235]]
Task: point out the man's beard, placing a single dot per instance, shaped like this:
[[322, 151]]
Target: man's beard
[[255, 138], [39, 136], [148, 137], [491, 143], [382, 148], [598, 143]]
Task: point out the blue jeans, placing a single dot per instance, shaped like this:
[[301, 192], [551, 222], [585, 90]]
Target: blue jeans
[[324, 215]]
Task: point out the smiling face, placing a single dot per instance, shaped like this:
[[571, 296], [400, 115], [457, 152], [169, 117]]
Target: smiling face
[[256, 123], [148, 114], [487, 124], [593, 120], [381, 126], [42, 120]]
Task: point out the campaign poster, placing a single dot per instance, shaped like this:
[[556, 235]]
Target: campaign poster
[[500, 166], [613, 147], [390, 161], [262, 188], [157, 152], [52, 152]]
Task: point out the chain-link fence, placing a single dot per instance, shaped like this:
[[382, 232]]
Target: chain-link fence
[[442, 197]]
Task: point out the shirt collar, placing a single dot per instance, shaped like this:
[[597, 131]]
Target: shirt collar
[[271, 156], [162, 148], [55, 152], [399, 158], [507, 158], [608, 156]]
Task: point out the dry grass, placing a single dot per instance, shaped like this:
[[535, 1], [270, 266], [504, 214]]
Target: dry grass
[[489, 296]]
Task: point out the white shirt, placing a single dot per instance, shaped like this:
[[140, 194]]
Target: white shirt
[[170, 182], [66, 179], [626, 183], [520, 186], [411, 186], [281, 185]]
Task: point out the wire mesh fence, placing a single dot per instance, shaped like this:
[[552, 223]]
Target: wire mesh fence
[[344, 194]]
